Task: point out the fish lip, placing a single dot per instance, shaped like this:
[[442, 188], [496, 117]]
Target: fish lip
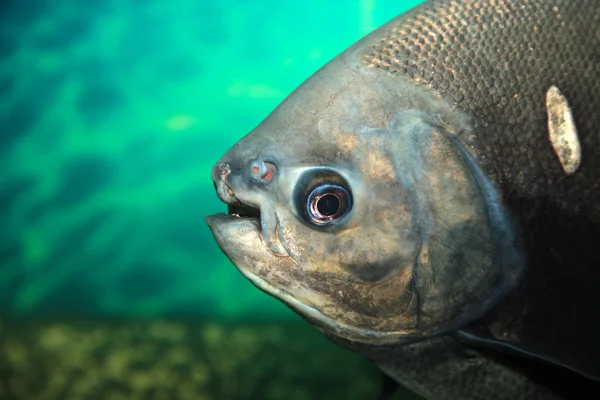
[[230, 218]]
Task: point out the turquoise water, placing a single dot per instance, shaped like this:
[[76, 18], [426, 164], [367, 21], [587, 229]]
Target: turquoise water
[[111, 115]]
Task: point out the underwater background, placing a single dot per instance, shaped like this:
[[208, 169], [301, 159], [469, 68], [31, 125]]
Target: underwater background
[[112, 114]]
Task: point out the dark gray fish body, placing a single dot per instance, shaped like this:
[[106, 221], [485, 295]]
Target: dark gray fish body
[[431, 197]]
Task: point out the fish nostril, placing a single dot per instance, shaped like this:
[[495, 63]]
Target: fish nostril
[[219, 173], [224, 169], [262, 170]]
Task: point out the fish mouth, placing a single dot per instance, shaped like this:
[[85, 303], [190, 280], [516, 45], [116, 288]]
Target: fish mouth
[[241, 210], [238, 235], [235, 207]]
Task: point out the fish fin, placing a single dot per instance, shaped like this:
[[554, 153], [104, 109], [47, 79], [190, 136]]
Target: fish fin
[[389, 387], [556, 375]]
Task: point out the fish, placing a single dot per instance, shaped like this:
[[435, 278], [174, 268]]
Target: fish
[[430, 199]]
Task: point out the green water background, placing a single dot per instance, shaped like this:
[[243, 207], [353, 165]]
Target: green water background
[[112, 114]]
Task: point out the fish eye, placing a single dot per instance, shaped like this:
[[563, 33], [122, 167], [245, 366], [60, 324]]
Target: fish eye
[[327, 203], [322, 198]]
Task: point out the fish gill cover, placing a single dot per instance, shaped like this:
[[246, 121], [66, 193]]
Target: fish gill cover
[[111, 115]]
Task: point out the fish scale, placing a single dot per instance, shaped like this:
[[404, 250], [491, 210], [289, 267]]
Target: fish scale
[[456, 47]]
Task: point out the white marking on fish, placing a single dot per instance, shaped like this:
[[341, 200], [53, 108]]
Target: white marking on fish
[[562, 130]]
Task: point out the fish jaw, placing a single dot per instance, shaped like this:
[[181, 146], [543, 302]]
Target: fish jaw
[[281, 277], [239, 238]]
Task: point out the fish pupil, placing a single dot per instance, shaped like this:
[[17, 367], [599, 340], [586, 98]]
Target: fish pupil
[[328, 204]]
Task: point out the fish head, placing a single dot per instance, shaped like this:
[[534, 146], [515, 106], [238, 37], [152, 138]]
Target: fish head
[[354, 204]]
